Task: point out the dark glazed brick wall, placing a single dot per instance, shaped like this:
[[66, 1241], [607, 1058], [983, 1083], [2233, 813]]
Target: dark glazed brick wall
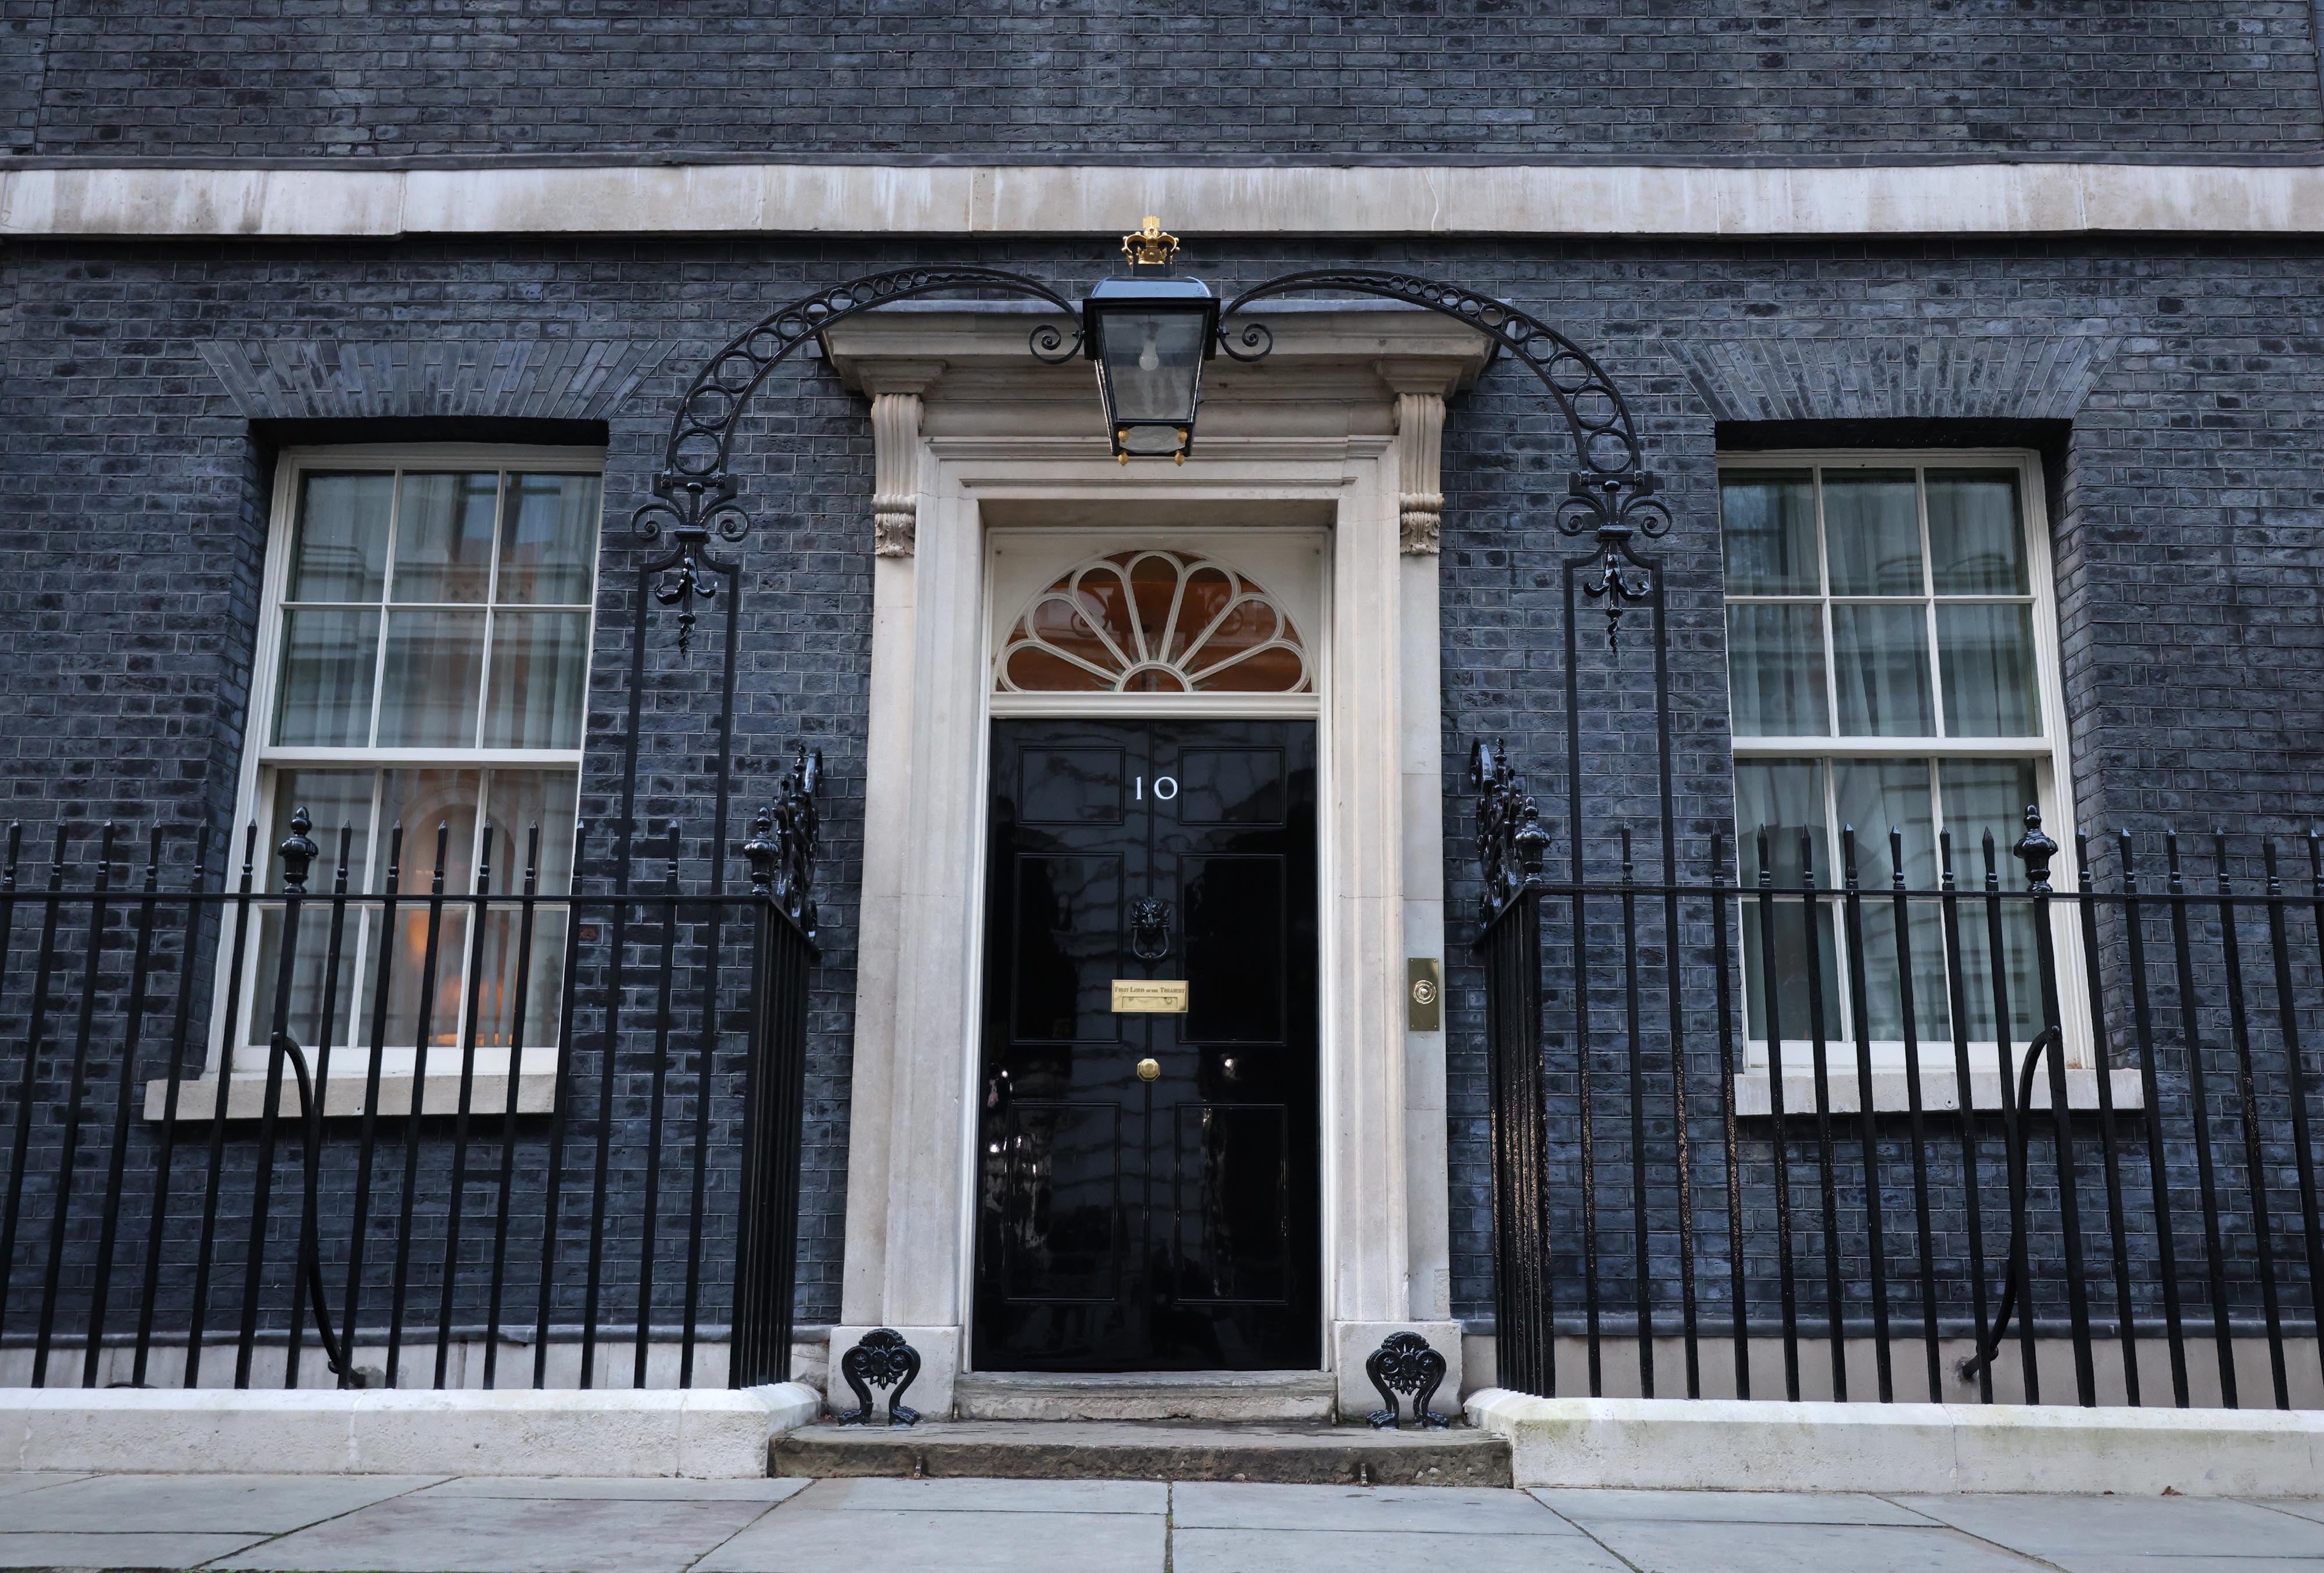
[[1216, 80], [2192, 524]]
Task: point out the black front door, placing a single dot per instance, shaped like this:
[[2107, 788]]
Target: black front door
[[1148, 1198]]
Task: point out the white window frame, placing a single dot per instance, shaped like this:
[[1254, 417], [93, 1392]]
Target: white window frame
[[2050, 755], [261, 758]]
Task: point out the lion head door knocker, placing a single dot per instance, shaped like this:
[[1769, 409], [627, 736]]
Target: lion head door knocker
[[1405, 1363], [882, 1359], [1149, 928]]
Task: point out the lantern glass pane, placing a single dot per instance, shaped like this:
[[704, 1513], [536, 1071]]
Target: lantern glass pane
[[1152, 359]]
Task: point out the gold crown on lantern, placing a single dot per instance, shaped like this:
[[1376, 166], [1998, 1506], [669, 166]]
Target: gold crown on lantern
[[1148, 247]]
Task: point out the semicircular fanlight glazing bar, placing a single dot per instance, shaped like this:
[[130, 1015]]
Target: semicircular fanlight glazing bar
[[1153, 620]]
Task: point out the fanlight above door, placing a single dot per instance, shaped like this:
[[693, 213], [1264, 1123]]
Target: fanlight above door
[[1153, 622]]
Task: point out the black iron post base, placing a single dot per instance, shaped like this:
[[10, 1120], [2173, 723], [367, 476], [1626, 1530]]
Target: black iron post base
[[881, 1359], [1405, 1363]]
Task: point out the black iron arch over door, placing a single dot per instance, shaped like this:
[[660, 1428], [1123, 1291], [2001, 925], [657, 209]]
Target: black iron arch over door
[[1610, 494], [1610, 497], [696, 495]]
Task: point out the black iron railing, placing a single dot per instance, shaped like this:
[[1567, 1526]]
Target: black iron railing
[[2089, 1172], [436, 1133]]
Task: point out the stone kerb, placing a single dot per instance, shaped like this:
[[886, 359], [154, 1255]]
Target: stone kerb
[[704, 1434], [1719, 1444]]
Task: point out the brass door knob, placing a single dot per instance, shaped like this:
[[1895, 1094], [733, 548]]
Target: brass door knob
[[1149, 1071]]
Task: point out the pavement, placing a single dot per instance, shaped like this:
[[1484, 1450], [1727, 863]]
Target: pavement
[[478, 1524]]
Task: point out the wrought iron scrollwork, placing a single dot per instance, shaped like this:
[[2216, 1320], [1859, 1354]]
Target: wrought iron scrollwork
[[1611, 493], [1605, 439], [879, 1359], [1052, 345], [1616, 508], [1405, 1363], [1511, 845], [784, 840], [690, 510], [694, 496], [1257, 337]]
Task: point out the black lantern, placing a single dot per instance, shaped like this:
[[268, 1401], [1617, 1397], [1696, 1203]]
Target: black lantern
[[1149, 335]]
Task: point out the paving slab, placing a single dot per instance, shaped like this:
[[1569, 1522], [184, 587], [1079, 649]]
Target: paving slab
[[1437, 1510], [199, 1504], [2307, 1508], [1764, 1548], [10, 1484], [428, 1533], [644, 1489], [791, 1541], [1731, 1507], [47, 1549], [1370, 1550], [878, 1494], [2127, 1526]]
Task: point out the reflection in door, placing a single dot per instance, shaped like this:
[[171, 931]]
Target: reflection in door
[[1127, 1224]]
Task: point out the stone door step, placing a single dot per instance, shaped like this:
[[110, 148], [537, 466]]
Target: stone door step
[[1227, 1397], [1311, 1455]]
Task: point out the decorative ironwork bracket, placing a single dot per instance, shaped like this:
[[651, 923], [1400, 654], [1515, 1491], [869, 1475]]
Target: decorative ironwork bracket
[[784, 836], [694, 494], [1405, 1363], [1610, 494], [1511, 845], [880, 1359]]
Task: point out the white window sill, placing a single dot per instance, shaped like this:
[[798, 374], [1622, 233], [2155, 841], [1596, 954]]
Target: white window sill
[[1939, 1090], [440, 1094]]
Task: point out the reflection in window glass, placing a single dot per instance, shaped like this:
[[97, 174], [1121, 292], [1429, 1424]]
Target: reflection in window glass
[[1780, 815], [322, 698], [1774, 655], [340, 549], [444, 537], [1877, 797], [435, 612], [1987, 651], [400, 827], [1976, 544], [427, 682], [1987, 798], [1880, 661], [540, 666], [1872, 532], [1767, 526], [548, 540], [441, 665], [1902, 598]]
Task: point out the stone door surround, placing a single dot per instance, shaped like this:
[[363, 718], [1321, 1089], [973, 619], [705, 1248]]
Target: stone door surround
[[1338, 428]]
